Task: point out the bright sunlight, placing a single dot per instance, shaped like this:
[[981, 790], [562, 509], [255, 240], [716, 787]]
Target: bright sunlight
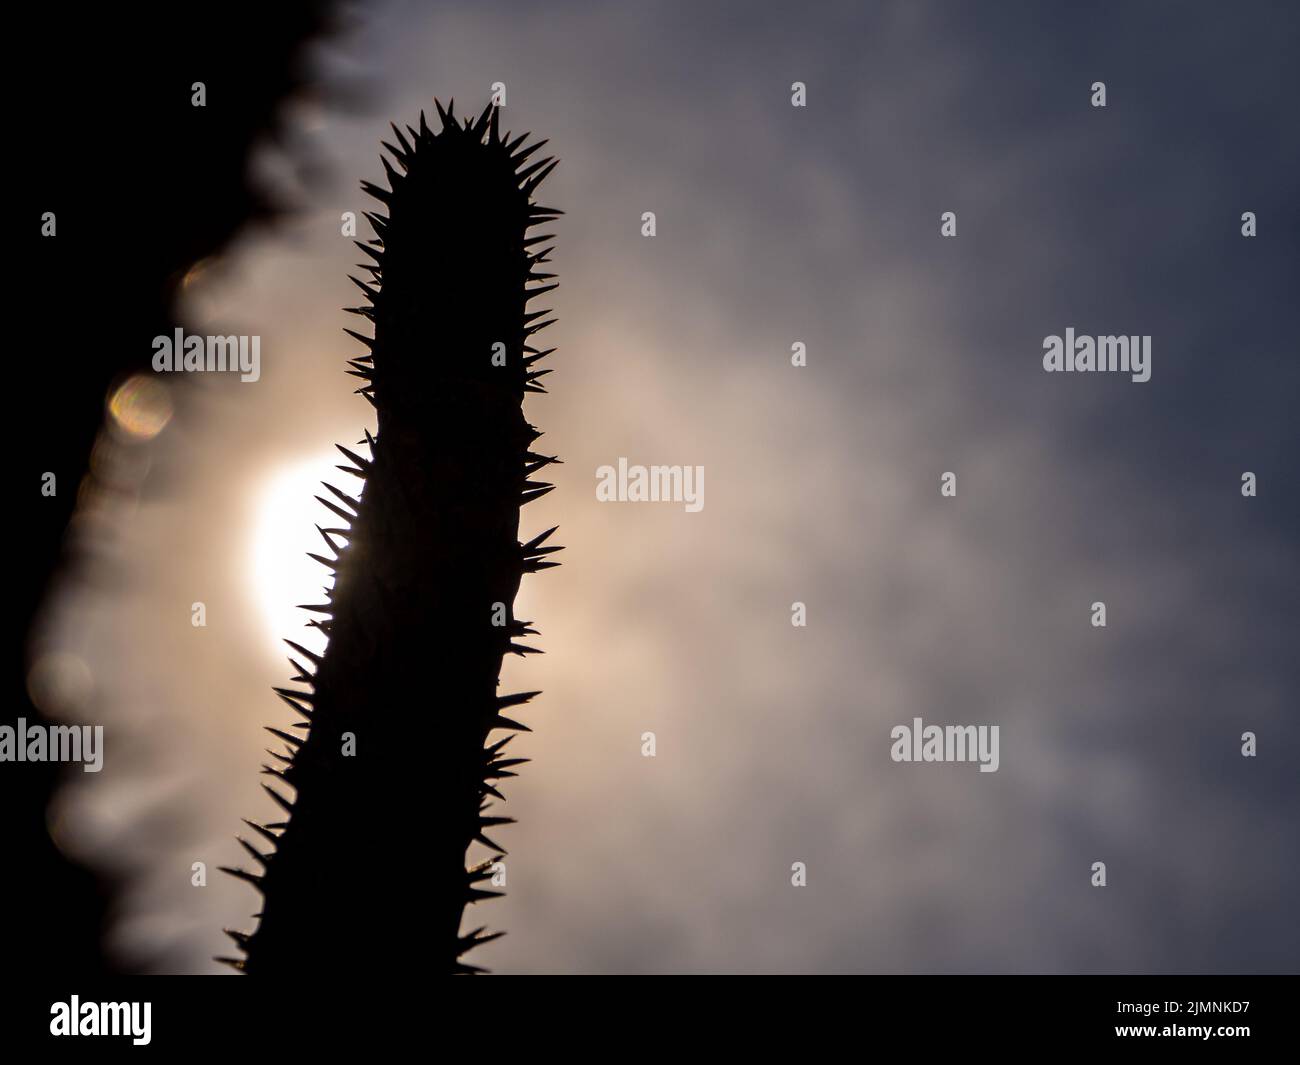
[[284, 530]]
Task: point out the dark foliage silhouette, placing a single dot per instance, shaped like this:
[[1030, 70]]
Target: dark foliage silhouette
[[100, 290], [370, 862]]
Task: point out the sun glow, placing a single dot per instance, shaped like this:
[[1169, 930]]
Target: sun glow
[[284, 530]]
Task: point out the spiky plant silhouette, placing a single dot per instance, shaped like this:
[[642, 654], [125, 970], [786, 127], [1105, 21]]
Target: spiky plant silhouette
[[370, 863]]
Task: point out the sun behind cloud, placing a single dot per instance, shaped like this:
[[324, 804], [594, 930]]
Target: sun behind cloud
[[284, 530]]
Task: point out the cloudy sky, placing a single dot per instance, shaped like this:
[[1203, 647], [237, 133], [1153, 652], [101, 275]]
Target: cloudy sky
[[819, 225]]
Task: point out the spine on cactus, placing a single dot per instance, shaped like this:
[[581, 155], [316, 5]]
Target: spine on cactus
[[397, 771]]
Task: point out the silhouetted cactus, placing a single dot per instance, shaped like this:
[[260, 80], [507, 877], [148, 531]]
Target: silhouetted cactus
[[370, 864]]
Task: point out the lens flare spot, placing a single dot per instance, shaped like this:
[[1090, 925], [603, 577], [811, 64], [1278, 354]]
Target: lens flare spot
[[195, 272], [141, 407], [59, 683]]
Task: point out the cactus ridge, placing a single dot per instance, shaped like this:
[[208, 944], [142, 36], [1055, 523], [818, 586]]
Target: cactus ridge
[[370, 861]]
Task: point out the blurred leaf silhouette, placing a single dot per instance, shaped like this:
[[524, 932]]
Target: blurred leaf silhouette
[[143, 186]]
